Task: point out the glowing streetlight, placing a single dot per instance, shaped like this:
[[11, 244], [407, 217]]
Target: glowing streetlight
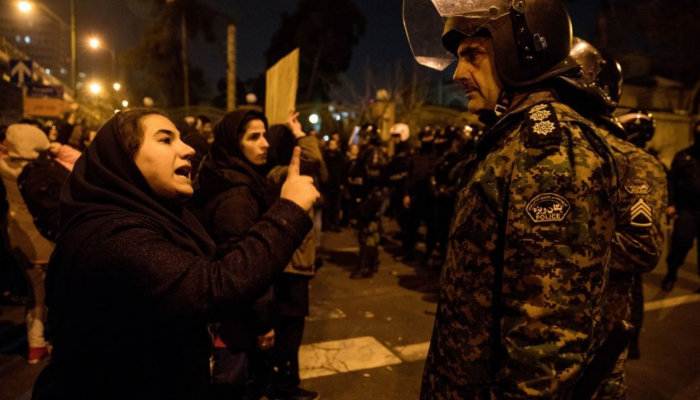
[[117, 86], [94, 43], [313, 118], [95, 88], [125, 104], [24, 6]]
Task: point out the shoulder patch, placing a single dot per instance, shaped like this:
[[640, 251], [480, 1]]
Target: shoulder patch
[[641, 214], [548, 207], [638, 186], [542, 126]]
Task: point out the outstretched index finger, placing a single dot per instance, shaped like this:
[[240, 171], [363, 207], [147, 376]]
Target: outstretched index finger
[[293, 169]]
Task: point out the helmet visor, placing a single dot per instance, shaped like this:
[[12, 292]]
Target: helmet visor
[[424, 21]]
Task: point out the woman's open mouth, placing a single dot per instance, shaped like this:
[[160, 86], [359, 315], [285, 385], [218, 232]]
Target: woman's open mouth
[[184, 171]]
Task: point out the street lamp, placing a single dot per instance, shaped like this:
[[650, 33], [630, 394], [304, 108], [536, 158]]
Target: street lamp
[[96, 43], [26, 7], [117, 86], [95, 88]]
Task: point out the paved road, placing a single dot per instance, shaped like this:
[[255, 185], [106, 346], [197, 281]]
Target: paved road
[[367, 339]]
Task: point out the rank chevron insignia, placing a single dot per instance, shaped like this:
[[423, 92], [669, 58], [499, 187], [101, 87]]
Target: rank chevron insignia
[[641, 214]]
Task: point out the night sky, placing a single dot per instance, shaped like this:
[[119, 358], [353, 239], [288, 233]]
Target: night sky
[[119, 24]]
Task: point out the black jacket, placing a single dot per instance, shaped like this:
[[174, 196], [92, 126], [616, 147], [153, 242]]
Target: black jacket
[[232, 206], [684, 180], [149, 302], [337, 165]]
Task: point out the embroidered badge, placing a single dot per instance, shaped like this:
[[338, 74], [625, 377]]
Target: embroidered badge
[[641, 214], [540, 115], [543, 128], [638, 187], [548, 207], [538, 108]]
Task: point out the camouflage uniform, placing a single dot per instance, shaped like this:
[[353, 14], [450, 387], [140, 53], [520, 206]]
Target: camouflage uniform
[[520, 310], [365, 184], [638, 240]]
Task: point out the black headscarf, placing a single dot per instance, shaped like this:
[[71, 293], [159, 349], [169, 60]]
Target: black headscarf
[[106, 184], [226, 166]]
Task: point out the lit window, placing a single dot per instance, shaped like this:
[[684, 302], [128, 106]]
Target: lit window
[[82, 75], [48, 71]]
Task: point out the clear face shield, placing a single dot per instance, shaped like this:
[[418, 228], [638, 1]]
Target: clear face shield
[[425, 22]]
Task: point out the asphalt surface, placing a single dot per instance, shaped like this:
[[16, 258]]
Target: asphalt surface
[[366, 339]]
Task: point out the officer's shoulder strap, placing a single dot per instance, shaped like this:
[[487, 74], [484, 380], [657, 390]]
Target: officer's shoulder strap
[[542, 126]]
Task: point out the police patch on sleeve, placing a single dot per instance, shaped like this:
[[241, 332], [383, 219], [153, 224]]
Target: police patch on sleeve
[[641, 214], [638, 187], [548, 207]]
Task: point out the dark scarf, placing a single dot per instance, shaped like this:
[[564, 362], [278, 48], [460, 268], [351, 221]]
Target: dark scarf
[[106, 184], [225, 166]]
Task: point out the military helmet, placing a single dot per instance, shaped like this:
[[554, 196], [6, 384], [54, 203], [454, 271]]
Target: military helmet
[[639, 126], [531, 38], [598, 69], [610, 78], [589, 58]]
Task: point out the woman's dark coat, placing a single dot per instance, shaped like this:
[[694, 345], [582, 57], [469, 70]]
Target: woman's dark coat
[[234, 195], [133, 283]]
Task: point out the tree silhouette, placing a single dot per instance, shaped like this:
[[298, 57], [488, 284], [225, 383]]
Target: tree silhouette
[[326, 33], [154, 66]]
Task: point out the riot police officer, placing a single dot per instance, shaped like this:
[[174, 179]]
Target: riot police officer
[[397, 173], [447, 145], [638, 240], [365, 184], [683, 192], [521, 292], [418, 200]]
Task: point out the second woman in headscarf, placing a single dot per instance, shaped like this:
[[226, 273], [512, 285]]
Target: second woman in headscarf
[[233, 194]]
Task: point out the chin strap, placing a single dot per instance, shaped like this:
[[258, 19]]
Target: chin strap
[[505, 100]]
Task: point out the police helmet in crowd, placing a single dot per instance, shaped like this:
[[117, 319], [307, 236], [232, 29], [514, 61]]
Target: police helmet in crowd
[[610, 78], [447, 134], [589, 58], [426, 134], [444, 138], [639, 126], [370, 135], [599, 70], [401, 132]]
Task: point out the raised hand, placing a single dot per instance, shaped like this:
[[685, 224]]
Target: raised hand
[[294, 125], [299, 188]]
